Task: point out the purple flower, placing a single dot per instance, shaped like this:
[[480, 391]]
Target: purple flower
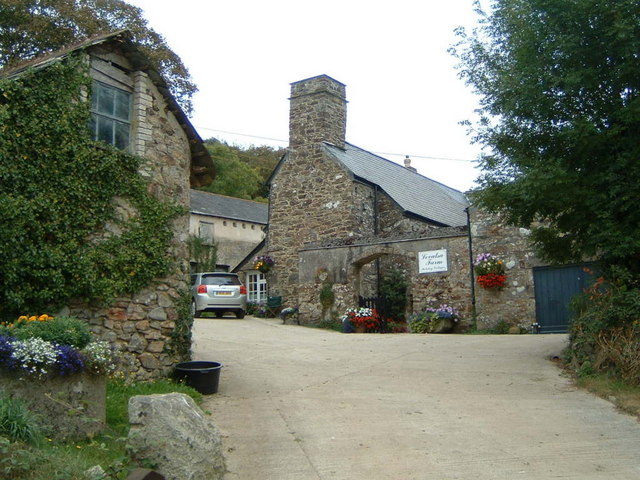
[[6, 351], [69, 360], [484, 257], [444, 311]]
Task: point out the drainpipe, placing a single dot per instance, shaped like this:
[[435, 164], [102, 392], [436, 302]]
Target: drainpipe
[[375, 232], [471, 276]]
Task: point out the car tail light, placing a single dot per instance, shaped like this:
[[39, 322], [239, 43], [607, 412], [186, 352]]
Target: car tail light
[[202, 289], [243, 290]]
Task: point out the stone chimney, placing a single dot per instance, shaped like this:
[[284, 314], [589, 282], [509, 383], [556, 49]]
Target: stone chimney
[[407, 164], [318, 112]]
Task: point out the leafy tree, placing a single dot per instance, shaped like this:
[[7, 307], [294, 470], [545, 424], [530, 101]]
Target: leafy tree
[[29, 28], [560, 115], [233, 177]]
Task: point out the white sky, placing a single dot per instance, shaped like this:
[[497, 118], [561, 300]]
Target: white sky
[[403, 91]]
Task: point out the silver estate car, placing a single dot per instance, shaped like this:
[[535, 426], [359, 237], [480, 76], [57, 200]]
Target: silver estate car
[[218, 292]]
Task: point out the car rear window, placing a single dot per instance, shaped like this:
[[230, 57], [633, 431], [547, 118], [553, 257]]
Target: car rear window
[[220, 280]]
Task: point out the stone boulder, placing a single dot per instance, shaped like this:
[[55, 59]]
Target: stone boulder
[[173, 434]]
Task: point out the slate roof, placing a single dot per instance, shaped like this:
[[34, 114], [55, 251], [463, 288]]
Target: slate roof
[[205, 203], [414, 193]]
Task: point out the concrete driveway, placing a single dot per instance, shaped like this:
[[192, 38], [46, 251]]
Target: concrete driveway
[[301, 403]]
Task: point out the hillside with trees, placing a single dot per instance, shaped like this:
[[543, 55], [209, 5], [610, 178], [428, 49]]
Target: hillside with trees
[[241, 172]]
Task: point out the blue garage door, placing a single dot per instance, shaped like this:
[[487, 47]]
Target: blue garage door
[[555, 287]]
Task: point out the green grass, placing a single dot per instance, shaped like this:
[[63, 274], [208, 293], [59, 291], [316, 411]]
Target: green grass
[[626, 397], [17, 423], [49, 460]]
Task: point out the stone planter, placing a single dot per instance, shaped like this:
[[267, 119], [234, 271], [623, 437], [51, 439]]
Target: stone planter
[[71, 407], [442, 325]]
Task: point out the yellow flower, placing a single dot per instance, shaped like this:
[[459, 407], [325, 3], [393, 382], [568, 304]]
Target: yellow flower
[[22, 318], [32, 318], [43, 318]]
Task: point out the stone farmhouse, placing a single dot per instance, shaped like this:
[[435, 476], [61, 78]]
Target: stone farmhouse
[[341, 214], [152, 126], [236, 226]]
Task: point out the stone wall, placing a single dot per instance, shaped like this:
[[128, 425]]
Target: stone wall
[[393, 220], [309, 200], [70, 407], [515, 304], [347, 259], [311, 196], [347, 263], [363, 209], [141, 324], [318, 112]]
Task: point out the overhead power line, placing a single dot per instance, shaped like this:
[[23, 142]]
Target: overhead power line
[[243, 134], [427, 157]]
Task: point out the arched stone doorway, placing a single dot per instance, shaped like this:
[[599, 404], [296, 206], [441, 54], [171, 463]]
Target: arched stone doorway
[[370, 271]]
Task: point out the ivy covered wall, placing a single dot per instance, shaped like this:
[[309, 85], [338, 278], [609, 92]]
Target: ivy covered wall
[[88, 229]]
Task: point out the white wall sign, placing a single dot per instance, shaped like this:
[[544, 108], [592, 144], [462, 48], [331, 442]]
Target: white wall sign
[[432, 261]]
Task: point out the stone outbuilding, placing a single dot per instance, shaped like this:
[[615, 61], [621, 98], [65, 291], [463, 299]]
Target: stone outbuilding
[[234, 225], [341, 215], [137, 113]]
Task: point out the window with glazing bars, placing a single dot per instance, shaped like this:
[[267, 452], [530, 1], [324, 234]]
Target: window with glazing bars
[[111, 115]]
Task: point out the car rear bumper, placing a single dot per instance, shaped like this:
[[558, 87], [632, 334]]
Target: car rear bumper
[[207, 303]]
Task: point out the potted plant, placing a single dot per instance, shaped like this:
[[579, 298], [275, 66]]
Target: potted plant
[[361, 320], [490, 271], [55, 366], [440, 319]]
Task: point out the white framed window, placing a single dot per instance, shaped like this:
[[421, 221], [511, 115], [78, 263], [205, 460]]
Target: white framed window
[[110, 115], [256, 287]]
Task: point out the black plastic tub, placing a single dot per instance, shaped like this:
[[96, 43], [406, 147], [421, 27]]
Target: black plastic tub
[[203, 376]]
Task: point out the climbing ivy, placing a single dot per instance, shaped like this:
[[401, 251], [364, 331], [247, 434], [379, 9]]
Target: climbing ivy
[[204, 255], [58, 193], [180, 342], [393, 288]]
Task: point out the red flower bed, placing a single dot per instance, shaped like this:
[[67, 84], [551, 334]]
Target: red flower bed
[[492, 280], [363, 317]]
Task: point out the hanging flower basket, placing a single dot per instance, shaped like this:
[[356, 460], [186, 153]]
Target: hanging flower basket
[[490, 271], [492, 281], [263, 263]]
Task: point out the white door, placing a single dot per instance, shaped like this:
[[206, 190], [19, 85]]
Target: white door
[[256, 287]]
